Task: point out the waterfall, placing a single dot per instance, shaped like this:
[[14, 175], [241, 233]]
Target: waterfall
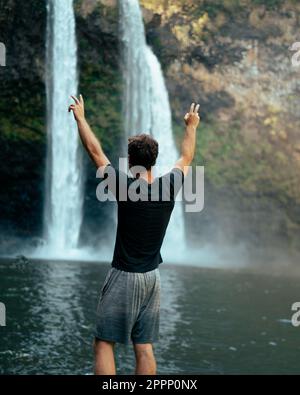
[[64, 197], [146, 106]]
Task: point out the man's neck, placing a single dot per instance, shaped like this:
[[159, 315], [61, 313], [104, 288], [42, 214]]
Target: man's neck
[[147, 176]]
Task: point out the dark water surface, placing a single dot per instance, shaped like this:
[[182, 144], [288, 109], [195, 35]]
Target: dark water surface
[[212, 321]]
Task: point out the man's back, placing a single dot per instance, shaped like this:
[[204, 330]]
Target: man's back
[[142, 224]]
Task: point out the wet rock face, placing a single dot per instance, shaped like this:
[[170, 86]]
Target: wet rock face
[[22, 114], [232, 57]]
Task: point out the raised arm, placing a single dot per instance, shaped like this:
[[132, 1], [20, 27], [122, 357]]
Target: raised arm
[[89, 140], [188, 145]]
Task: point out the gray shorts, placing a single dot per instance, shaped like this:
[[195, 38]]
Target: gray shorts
[[128, 309]]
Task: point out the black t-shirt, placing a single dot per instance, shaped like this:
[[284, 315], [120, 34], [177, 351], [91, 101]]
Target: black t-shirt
[[144, 211]]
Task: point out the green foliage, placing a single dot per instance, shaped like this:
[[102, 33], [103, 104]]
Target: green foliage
[[255, 167], [22, 89], [270, 4], [100, 80], [22, 114], [101, 88]]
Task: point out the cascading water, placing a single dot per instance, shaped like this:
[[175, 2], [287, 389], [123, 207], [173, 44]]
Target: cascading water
[[63, 211], [146, 106]]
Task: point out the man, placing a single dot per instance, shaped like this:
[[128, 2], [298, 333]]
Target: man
[[128, 309]]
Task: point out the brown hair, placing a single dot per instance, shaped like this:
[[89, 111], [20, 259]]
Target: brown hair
[[142, 150]]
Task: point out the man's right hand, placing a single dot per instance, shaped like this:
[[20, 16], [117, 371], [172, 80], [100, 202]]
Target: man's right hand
[[77, 108], [89, 140], [192, 118]]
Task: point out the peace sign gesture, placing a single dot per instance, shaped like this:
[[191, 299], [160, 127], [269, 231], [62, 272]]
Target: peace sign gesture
[[77, 108], [192, 117]]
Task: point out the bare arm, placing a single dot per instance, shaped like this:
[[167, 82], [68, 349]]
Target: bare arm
[[89, 140], [188, 145]]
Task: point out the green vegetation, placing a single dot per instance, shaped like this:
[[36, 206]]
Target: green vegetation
[[22, 97], [258, 168], [22, 114], [101, 88], [270, 4], [100, 80]]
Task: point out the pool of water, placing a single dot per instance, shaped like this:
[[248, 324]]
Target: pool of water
[[212, 321]]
